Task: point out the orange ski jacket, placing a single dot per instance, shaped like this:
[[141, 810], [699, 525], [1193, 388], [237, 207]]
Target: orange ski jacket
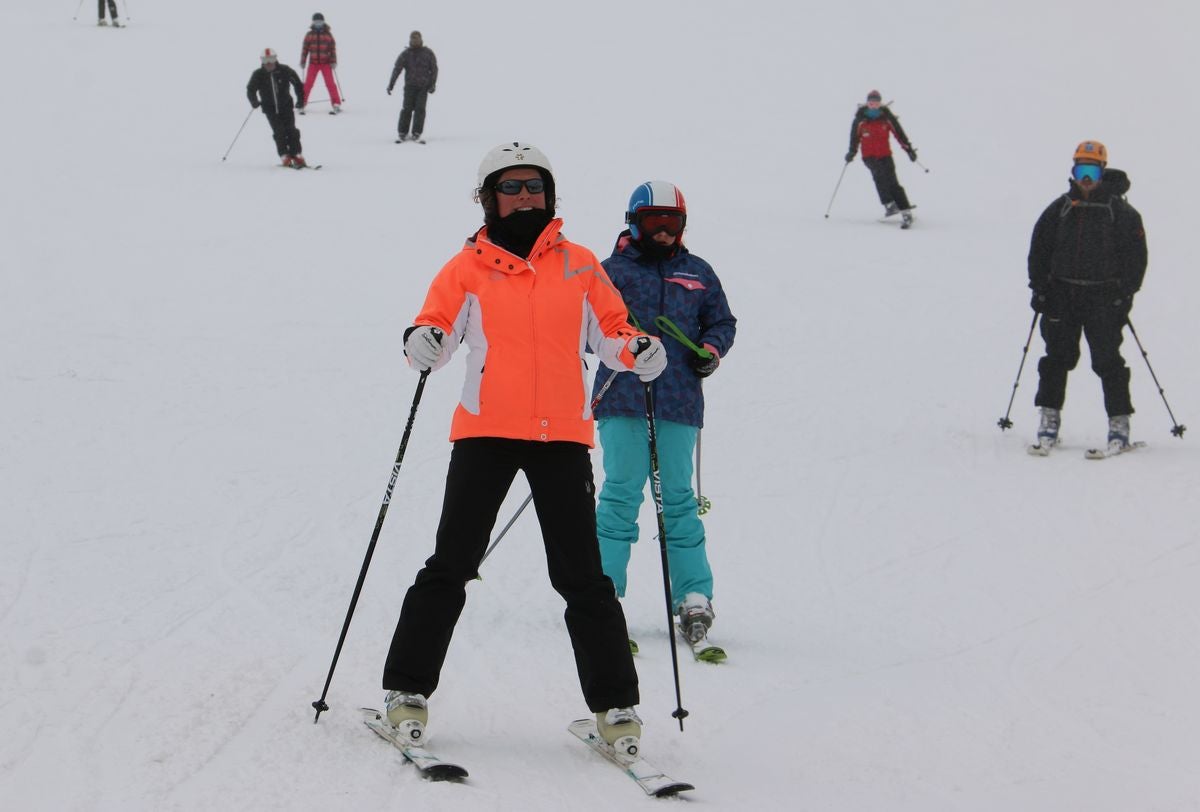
[[527, 324]]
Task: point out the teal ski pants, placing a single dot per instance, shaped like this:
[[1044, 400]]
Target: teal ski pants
[[626, 473]]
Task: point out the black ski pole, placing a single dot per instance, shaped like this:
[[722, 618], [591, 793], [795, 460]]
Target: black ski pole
[[239, 134], [77, 9], [1176, 427], [835, 189], [319, 704], [529, 498], [656, 488], [918, 163], [1004, 422]]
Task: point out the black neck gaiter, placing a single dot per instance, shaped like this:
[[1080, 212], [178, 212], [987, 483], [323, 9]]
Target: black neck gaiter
[[517, 232]]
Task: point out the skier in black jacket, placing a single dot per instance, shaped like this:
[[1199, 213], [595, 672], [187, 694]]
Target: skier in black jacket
[[269, 88], [420, 79], [1086, 261]]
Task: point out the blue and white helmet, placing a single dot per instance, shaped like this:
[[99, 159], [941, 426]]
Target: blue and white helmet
[[653, 194]]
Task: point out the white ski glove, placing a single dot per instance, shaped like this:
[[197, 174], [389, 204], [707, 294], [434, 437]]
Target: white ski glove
[[649, 357], [424, 348]]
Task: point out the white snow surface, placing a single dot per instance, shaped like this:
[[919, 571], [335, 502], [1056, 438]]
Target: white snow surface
[[203, 391]]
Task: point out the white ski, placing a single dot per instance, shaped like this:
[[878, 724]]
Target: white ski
[[652, 780], [429, 765]]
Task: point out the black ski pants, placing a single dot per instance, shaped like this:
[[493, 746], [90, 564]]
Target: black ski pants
[[112, 9], [283, 128], [1088, 309], [560, 478], [413, 111], [883, 172]]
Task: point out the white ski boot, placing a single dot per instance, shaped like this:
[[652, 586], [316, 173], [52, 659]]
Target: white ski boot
[[1118, 433], [1047, 435], [906, 218], [695, 616], [621, 728], [408, 713]]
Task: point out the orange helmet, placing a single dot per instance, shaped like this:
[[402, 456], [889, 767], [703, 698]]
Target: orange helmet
[[1092, 151]]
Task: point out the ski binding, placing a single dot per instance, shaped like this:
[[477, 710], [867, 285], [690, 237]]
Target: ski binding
[[702, 650], [1104, 453], [653, 781], [428, 764]]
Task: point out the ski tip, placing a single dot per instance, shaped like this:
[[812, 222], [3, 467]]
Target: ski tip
[[672, 789], [444, 772]]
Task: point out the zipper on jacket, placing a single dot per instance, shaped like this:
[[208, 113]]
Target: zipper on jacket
[[275, 93]]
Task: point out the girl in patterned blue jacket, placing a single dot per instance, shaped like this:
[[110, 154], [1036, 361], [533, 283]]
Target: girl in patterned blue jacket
[[658, 277]]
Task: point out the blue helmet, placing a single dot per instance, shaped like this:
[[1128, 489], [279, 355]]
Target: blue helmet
[[657, 195]]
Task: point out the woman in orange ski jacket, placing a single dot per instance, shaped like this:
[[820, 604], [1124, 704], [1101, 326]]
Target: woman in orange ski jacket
[[528, 303], [526, 324]]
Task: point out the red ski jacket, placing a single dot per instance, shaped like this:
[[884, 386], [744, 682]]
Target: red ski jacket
[[872, 134], [321, 45]]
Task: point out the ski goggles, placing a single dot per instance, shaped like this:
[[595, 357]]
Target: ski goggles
[[1090, 172], [535, 186], [874, 104], [651, 222]]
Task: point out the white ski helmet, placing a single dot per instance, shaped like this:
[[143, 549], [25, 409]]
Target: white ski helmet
[[269, 56], [509, 155]]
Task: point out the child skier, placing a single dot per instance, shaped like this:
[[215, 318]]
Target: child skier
[[658, 277]]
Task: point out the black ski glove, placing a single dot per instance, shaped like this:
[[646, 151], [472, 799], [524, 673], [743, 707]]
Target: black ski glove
[[1038, 301], [703, 367], [1123, 303], [432, 88], [389, 91], [850, 155], [912, 153], [255, 104]]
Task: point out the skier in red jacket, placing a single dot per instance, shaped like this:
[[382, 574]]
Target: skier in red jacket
[[874, 124], [320, 45]]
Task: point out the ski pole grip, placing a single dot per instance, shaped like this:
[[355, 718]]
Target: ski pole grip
[[643, 344]]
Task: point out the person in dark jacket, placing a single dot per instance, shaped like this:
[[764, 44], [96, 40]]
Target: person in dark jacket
[[658, 277], [873, 127], [320, 52], [270, 88], [1087, 259], [420, 79], [112, 12]]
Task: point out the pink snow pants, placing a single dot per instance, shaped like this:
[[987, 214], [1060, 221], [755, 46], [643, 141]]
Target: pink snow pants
[[326, 70]]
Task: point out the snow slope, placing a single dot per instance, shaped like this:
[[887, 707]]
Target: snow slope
[[203, 392]]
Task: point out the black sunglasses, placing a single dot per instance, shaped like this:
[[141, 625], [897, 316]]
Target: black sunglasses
[[513, 187]]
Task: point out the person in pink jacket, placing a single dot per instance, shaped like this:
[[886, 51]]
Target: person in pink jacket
[[320, 45]]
